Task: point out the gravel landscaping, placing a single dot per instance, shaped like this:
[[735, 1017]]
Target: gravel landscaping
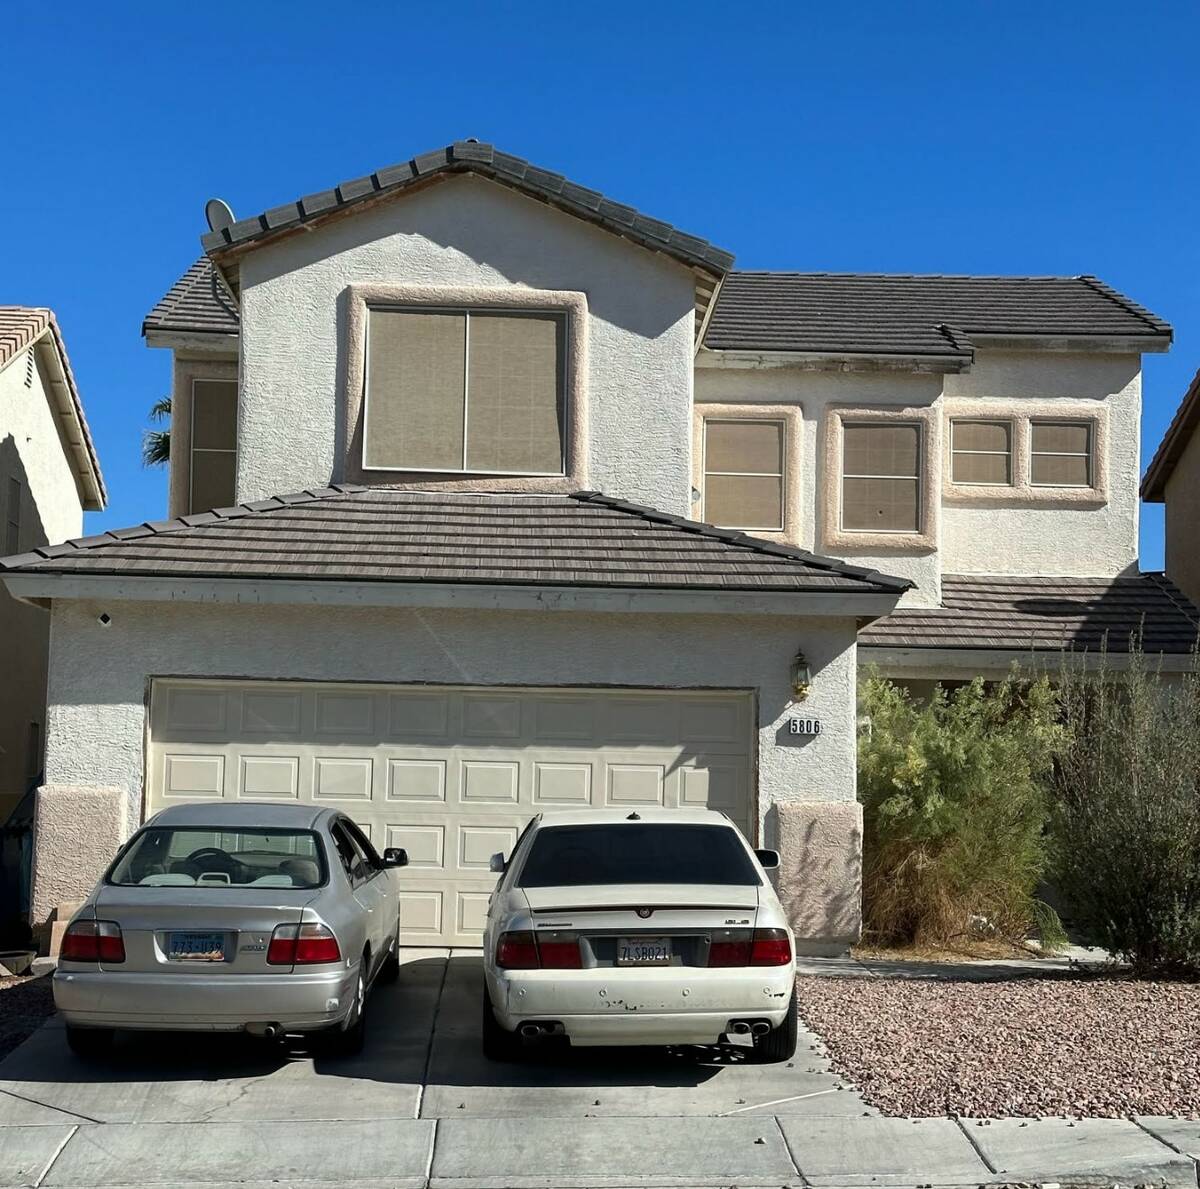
[[1071, 1045], [24, 1004]]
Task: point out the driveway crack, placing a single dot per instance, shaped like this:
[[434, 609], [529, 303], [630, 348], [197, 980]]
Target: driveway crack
[[971, 1140], [437, 1011], [54, 1158], [50, 1106]]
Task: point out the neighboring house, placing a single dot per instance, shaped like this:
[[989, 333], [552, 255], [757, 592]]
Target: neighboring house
[[1173, 479], [49, 475], [461, 422]]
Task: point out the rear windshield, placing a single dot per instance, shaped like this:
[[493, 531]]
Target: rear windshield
[[195, 856], [571, 856]]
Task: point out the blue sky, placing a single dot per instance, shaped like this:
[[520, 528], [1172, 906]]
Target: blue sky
[[918, 137]]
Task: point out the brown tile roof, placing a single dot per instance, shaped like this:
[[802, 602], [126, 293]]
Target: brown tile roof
[[862, 313], [380, 534], [22, 327], [1175, 442], [1044, 614], [468, 156], [198, 303]]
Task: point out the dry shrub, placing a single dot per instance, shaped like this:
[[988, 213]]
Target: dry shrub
[[955, 804]]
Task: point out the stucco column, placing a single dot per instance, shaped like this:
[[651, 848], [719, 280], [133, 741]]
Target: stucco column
[[76, 831], [820, 872]]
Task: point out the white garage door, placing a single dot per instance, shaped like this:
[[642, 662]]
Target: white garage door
[[450, 773]]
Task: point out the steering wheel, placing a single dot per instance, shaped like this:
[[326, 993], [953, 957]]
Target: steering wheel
[[213, 856]]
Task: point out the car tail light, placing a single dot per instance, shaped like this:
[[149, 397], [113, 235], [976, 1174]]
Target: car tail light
[[560, 954], [93, 941], [517, 951], [771, 948], [302, 945], [729, 953]]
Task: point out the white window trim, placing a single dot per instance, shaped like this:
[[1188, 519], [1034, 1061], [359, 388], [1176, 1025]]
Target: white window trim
[[1022, 414], [193, 449], [1010, 453], [781, 474], [560, 315]]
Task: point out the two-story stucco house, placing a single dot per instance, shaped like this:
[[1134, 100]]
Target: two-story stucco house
[[49, 475], [1173, 479], [490, 493]]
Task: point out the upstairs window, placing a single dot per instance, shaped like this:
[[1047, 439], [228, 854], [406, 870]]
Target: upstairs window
[[744, 474], [881, 477], [981, 453], [1060, 454], [214, 444], [465, 391]]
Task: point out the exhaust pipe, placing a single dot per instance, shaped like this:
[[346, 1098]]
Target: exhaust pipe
[[760, 1027], [531, 1031], [739, 1028], [266, 1031]]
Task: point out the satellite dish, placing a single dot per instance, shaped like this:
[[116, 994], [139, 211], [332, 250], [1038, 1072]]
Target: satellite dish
[[218, 214]]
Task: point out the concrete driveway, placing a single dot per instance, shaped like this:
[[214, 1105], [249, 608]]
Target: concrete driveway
[[422, 1108]]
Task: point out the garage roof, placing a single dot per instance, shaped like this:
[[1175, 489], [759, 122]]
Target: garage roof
[[198, 303], [1045, 614], [347, 533], [899, 314]]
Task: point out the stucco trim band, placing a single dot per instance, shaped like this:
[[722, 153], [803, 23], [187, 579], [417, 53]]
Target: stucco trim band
[[1020, 414], [356, 302], [833, 536], [793, 447]]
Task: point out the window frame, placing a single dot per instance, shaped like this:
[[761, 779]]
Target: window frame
[[561, 315], [917, 479], [782, 476], [1089, 455], [193, 449], [1011, 453]]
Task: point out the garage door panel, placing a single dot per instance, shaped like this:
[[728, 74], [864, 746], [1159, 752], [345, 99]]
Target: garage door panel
[[452, 774], [416, 780]]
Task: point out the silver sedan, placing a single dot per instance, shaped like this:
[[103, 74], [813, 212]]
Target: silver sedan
[[227, 917]]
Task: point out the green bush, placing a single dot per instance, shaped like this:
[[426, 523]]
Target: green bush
[[1127, 813], [955, 804]]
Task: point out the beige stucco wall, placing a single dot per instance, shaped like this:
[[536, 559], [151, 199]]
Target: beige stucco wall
[[466, 232], [31, 451], [1054, 535], [98, 713], [1183, 521]]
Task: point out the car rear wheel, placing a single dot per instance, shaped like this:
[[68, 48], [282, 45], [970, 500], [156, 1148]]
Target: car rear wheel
[[348, 1040], [498, 1044], [89, 1042], [780, 1043]]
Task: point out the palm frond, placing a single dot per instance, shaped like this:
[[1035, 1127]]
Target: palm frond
[[161, 409], [156, 447]]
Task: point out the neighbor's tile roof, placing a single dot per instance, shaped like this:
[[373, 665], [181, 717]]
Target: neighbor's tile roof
[[1175, 442], [467, 156], [198, 303], [860, 313], [1045, 614], [380, 534], [22, 327]]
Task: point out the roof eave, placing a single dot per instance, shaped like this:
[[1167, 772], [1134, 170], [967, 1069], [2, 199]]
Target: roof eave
[[190, 339], [1175, 441], [1151, 343], [726, 357]]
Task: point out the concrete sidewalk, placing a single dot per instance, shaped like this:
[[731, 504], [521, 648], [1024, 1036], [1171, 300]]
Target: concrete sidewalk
[[422, 1108]]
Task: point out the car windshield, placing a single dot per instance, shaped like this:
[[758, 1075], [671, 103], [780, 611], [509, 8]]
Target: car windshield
[[212, 857], [654, 853]]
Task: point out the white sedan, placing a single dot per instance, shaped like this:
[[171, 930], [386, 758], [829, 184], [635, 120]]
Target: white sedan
[[655, 927]]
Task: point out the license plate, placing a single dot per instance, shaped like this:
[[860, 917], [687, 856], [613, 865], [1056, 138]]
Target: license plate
[[643, 951], [196, 947]]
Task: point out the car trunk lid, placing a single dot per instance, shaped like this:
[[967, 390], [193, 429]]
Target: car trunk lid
[[198, 931]]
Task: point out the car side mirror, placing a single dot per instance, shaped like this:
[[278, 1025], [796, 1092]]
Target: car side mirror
[[395, 856], [768, 859], [497, 864]]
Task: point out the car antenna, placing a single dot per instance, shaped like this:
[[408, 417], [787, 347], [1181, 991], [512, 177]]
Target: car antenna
[[634, 817]]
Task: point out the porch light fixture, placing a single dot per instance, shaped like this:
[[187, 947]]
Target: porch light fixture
[[801, 676]]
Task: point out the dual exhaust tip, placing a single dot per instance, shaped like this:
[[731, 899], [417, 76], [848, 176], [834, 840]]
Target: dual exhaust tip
[[540, 1029], [749, 1028]]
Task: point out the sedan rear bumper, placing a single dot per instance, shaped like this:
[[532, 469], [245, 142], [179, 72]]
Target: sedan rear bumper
[[676, 1005], [212, 1003]]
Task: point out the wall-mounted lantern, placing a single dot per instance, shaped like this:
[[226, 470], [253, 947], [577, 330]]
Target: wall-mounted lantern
[[801, 676]]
